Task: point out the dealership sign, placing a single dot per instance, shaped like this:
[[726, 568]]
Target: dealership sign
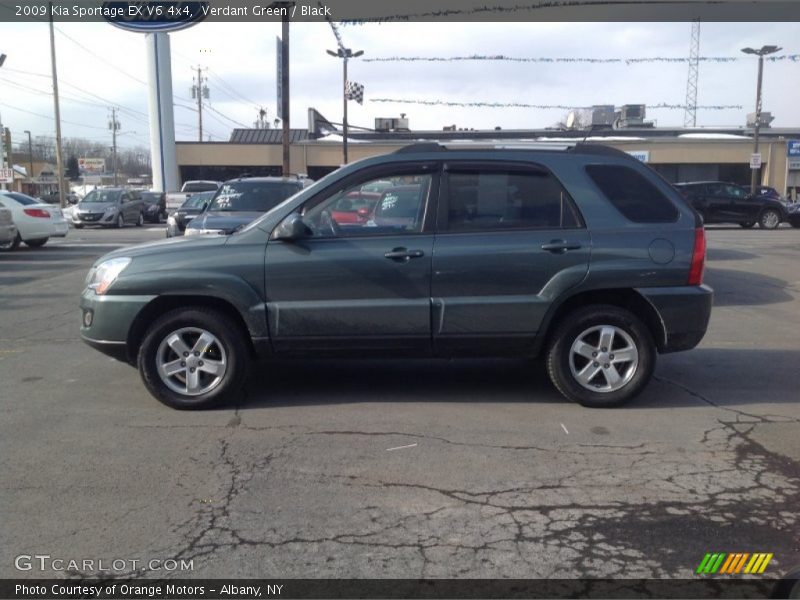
[[91, 166], [793, 148], [642, 155], [6, 175], [154, 17]]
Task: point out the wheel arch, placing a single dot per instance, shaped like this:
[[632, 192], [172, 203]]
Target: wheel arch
[[626, 298], [165, 303]]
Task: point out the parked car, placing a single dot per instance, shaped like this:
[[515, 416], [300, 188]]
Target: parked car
[[175, 200], [584, 256], [240, 201], [197, 203], [155, 206], [793, 214], [8, 231], [357, 207], [720, 202], [54, 198], [110, 207], [36, 221]]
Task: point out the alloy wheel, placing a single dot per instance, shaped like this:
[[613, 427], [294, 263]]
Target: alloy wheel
[[603, 358], [191, 361]]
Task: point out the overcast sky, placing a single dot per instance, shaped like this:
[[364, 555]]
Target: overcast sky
[[100, 65]]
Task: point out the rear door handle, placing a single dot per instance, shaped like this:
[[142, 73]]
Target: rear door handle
[[560, 246], [403, 255]]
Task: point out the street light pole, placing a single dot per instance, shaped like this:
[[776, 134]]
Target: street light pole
[[761, 53], [345, 54]]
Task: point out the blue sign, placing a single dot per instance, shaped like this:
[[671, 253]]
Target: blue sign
[[154, 17], [793, 148]]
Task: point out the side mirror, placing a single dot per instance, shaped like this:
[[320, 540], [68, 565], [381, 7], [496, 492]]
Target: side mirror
[[291, 228]]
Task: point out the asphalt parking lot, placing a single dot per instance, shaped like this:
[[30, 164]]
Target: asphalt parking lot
[[404, 469]]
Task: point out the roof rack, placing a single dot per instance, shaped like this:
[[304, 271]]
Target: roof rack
[[421, 147], [567, 146]]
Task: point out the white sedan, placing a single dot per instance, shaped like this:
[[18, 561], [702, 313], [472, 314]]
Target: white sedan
[[36, 221]]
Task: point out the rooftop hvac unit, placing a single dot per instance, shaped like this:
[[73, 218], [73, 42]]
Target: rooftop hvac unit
[[391, 124], [764, 121], [632, 114], [603, 115]]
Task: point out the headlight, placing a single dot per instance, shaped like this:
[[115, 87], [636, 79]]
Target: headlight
[[198, 231], [110, 211], [101, 277]]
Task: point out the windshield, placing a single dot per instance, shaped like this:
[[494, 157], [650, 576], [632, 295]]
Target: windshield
[[197, 200], [200, 186], [253, 196], [151, 197], [102, 196]]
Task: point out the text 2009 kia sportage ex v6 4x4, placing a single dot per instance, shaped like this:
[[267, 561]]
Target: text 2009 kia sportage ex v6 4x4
[[584, 256]]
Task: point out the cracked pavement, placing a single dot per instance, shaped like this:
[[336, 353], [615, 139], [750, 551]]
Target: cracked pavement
[[390, 469]]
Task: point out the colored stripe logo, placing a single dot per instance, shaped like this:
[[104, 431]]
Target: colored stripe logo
[[734, 563]]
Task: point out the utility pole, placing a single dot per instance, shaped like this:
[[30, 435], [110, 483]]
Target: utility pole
[[113, 125], [59, 163], [30, 158], [200, 91], [761, 53], [285, 88]]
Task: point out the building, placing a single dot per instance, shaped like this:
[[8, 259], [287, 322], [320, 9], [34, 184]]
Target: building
[[679, 154]]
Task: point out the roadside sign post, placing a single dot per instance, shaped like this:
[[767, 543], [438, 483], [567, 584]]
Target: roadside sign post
[[755, 160]]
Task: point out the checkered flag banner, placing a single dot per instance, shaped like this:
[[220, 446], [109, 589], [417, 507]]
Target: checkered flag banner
[[354, 91]]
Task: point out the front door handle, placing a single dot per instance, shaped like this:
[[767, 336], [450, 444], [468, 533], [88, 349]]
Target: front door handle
[[403, 255], [560, 246]]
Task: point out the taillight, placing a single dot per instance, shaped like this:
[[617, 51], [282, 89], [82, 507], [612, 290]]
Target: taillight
[[36, 212], [698, 257]]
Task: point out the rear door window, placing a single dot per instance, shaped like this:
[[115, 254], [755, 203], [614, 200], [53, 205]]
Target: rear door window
[[481, 198]]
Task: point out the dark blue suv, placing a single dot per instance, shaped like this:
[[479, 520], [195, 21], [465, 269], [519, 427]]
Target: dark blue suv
[[581, 255]]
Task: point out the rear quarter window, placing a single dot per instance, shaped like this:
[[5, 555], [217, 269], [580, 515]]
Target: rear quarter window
[[632, 194]]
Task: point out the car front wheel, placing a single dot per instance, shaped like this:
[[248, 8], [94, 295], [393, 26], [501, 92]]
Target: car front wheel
[[140, 220], [36, 243], [601, 356], [120, 221], [769, 219], [193, 358]]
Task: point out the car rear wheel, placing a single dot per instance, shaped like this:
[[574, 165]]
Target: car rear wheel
[[193, 358], [601, 356], [36, 243], [747, 225], [12, 245], [769, 219]]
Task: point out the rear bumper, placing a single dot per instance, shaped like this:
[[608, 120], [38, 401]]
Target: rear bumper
[[684, 312]]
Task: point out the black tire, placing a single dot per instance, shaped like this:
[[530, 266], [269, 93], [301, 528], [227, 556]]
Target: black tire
[[795, 224], [769, 219], [578, 322], [78, 226], [231, 338], [120, 222], [36, 243], [12, 245], [747, 225], [140, 220]]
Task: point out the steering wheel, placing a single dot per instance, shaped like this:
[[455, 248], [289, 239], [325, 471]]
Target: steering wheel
[[327, 222]]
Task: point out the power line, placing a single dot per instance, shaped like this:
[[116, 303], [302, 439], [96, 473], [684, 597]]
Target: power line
[[17, 108], [423, 102], [98, 56], [575, 59]]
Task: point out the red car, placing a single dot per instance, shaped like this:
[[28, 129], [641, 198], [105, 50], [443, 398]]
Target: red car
[[355, 208]]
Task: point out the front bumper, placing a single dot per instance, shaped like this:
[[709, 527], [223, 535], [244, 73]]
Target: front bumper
[[684, 312], [110, 322]]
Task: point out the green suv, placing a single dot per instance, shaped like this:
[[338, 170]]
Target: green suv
[[581, 255]]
